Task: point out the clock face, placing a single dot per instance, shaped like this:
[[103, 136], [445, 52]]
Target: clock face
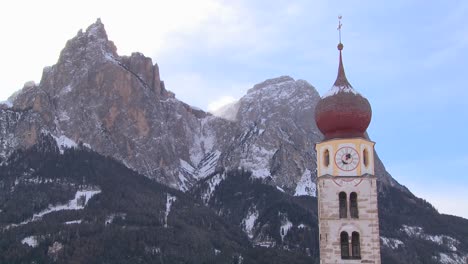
[[347, 158]]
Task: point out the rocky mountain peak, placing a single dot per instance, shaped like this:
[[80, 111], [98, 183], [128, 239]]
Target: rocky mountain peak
[[275, 96], [97, 30], [91, 45], [269, 82], [280, 92]]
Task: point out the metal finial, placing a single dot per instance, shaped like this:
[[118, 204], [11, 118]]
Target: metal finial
[[340, 45], [341, 80]]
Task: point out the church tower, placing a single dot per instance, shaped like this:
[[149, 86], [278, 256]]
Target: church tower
[[346, 182]]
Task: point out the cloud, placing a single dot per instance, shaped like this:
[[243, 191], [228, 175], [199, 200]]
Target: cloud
[[220, 102], [208, 94], [33, 34], [187, 86]]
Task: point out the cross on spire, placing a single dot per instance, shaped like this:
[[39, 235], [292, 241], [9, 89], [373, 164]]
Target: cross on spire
[[340, 45], [339, 26]]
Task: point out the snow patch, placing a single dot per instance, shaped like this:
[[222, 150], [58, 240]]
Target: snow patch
[[30, 241], [412, 231], [416, 231], [64, 143], [182, 182], [169, 201], [79, 202], [66, 89], [109, 219], [186, 167], [27, 179], [212, 183], [279, 189], [207, 165], [73, 222], [267, 243], [392, 243], [285, 227], [63, 116], [258, 162], [451, 258], [203, 141], [337, 89], [248, 222], [306, 186], [240, 260]]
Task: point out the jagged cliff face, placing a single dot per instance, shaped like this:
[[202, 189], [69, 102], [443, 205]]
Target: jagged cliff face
[[118, 106], [115, 104], [18, 128], [276, 118]]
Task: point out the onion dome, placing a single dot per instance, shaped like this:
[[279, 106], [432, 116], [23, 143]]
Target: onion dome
[[342, 112]]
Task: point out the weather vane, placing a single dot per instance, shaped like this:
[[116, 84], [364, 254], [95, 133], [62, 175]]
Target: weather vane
[[339, 25]]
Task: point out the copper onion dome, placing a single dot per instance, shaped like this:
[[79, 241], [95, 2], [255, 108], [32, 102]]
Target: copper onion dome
[[342, 112]]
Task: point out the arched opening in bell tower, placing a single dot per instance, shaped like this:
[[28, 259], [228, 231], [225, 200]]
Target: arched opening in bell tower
[[326, 158], [343, 205], [365, 157], [355, 245], [344, 241], [353, 206]]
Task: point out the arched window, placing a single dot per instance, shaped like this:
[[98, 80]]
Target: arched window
[[344, 241], [355, 245], [365, 157], [353, 206], [326, 158], [343, 205]]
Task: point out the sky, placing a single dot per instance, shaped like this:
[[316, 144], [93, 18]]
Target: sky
[[407, 57]]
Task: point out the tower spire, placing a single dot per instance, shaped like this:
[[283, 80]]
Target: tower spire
[[341, 81]]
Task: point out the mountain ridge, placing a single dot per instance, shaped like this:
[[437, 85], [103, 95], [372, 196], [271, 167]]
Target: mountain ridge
[[118, 107]]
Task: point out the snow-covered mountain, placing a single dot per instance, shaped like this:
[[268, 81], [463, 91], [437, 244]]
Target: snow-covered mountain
[[278, 133], [118, 106], [93, 99]]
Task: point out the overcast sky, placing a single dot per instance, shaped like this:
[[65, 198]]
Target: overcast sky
[[407, 57]]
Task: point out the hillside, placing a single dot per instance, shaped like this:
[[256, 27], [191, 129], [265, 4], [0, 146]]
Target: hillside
[[81, 207]]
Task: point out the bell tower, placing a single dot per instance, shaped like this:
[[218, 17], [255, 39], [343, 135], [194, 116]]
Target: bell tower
[[346, 182]]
